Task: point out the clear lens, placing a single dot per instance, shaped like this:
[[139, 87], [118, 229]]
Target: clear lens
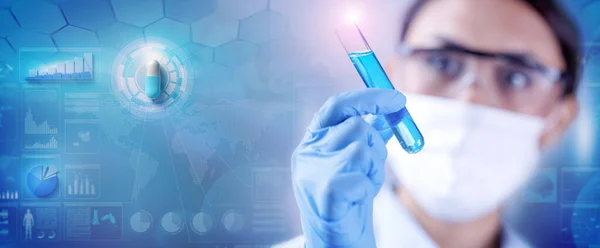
[[441, 73], [450, 66]]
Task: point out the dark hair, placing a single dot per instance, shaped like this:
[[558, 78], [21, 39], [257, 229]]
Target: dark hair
[[560, 22]]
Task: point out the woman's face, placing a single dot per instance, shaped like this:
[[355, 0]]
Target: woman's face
[[492, 26]]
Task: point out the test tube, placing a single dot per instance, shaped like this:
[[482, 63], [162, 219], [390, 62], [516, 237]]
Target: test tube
[[373, 75]]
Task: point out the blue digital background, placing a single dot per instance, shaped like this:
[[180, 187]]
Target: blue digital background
[[215, 172]]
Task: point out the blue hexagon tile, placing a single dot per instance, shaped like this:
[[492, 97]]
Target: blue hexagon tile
[[89, 14], [175, 31], [591, 16], [71, 36], [298, 8], [8, 62], [108, 54], [60, 1], [248, 76], [215, 30], [279, 47], [282, 49], [189, 10], [585, 13], [9, 24], [241, 9], [195, 53], [228, 91], [236, 53], [26, 38], [6, 51], [263, 27], [138, 12], [39, 16], [209, 74], [118, 35], [6, 3], [216, 83]]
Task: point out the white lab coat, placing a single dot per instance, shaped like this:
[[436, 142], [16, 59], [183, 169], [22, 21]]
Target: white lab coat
[[394, 227]]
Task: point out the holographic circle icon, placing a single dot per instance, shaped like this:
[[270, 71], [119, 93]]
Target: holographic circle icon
[[172, 222], [130, 76], [584, 213], [202, 222], [140, 221], [42, 180], [232, 221]]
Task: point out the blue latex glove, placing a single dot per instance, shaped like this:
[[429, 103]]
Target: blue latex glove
[[338, 168], [380, 124]]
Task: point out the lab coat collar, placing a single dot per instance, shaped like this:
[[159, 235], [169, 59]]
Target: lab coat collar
[[394, 226]]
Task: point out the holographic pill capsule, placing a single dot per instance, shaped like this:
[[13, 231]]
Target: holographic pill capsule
[[153, 79]]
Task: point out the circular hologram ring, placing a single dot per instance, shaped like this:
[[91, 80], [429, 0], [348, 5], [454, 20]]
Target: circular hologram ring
[[129, 78]]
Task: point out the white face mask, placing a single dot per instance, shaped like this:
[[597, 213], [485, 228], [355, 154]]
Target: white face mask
[[474, 157]]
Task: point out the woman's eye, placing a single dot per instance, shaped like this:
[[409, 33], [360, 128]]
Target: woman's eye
[[445, 64], [514, 79]]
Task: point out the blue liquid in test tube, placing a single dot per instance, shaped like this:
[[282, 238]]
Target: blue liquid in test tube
[[373, 75]]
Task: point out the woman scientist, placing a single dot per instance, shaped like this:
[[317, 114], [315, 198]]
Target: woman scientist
[[489, 84]]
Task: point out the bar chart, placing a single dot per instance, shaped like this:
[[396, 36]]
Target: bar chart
[[78, 68], [82, 181], [9, 195], [40, 118], [43, 145], [31, 127], [81, 185]]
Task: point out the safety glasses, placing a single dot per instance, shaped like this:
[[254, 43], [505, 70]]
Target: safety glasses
[[507, 80]]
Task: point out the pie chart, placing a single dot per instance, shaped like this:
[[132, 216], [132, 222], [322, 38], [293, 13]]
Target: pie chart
[[202, 222], [140, 221], [172, 222], [233, 221], [42, 180]]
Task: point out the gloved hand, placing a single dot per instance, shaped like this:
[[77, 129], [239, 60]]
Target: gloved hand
[[338, 168], [380, 124]]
